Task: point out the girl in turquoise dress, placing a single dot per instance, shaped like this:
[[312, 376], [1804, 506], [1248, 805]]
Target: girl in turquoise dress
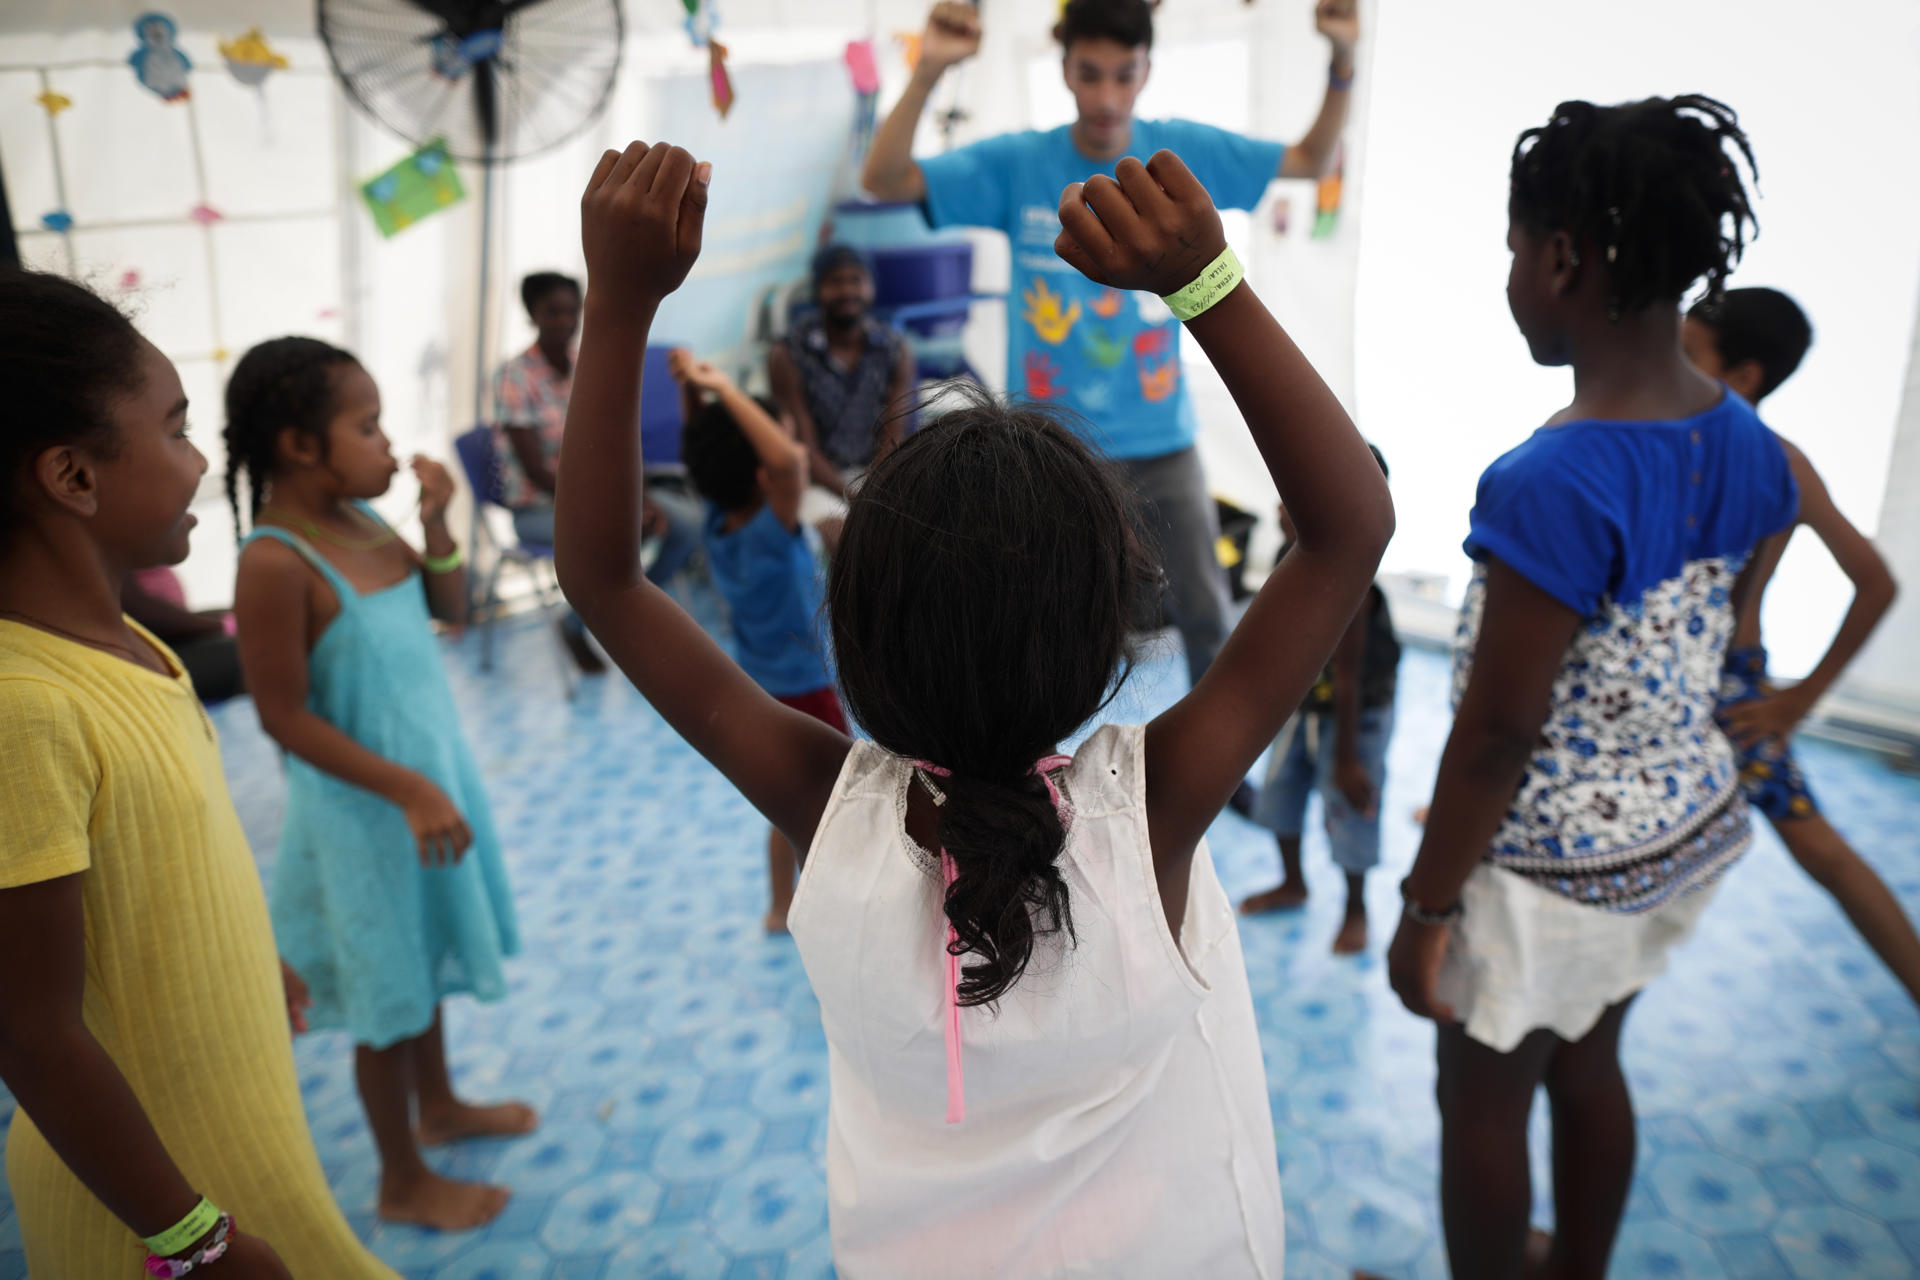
[[390, 893]]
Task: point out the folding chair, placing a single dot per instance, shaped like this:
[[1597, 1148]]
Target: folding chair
[[475, 448]]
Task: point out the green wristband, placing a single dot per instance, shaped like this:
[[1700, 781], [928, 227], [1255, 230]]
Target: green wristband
[[1216, 282], [200, 1220], [446, 563]]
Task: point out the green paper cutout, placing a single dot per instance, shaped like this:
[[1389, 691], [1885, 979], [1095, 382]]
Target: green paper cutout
[[418, 187]]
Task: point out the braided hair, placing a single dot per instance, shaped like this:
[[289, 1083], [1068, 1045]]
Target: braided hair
[[1650, 184], [988, 575], [284, 382]]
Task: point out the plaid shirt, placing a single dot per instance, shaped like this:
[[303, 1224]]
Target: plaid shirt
[[846, 404], [528, 392]]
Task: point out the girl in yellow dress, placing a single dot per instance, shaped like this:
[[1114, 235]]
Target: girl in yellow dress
[[143, 1018]]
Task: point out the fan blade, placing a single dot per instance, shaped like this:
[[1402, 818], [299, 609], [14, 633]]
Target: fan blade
[[486, 103]]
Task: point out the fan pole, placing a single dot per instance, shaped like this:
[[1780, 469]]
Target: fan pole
[[486, 295]]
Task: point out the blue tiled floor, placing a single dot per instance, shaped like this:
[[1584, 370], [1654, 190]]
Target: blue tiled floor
[[677, 1056]]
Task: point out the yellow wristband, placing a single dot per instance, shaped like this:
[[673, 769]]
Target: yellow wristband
[[201, 1219], [1213, 284], [446, 563]]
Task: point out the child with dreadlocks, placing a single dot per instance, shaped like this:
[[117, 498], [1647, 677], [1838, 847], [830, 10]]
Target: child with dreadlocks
[[1753, 340], [389, 894], [1586, 802]]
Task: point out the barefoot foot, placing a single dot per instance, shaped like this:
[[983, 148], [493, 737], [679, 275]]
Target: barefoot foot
[[1352, 938], [1288, 897], [441, 1204], [1539, 1254], [460, 1121]]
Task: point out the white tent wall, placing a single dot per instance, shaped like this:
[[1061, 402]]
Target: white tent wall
[[1887, 679], [1445, 384]]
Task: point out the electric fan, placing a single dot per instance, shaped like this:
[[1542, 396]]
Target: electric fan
[[498, 79]]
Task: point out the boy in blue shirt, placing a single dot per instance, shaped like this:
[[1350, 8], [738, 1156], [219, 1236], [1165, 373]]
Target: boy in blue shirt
[[1113, 358], [1753, 340], [752, 470]]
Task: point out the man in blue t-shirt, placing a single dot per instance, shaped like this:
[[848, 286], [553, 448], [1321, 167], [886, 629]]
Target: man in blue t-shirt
[[1113, 358]]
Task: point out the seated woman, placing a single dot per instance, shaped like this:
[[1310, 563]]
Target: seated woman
[[530, 406], [202, 641], [841, 375]]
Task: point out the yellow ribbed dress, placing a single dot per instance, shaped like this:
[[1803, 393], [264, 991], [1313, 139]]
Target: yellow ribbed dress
[[113, 772]]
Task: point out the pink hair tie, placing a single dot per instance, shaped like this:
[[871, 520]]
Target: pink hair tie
[[1044, 768]]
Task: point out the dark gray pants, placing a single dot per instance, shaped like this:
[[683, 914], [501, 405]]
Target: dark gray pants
[[1182, 519]]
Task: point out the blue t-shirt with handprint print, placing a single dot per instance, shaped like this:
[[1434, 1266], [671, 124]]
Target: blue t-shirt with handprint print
[[1111, 356]]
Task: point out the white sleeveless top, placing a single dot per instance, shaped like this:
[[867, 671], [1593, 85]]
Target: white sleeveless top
[[1116, 1107]]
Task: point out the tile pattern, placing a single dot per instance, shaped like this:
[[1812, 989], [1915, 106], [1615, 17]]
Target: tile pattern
[[677, 1056]]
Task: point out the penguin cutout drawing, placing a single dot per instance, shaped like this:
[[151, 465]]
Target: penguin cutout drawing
[[158, 63]]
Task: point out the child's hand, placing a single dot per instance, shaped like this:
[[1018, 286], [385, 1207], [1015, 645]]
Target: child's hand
[[640, 223], [1151, 226], [1350, 776], [436, 487], [1774, 717], [689, 370], [299, 999], [438, 828]]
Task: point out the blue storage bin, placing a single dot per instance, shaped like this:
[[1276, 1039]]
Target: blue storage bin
[[922, 273]]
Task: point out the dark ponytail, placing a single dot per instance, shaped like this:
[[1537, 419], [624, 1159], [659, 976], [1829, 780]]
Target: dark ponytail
[[284, 382], [987, 579]]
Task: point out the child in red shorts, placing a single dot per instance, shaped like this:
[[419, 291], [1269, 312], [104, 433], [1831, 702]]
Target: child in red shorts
[[753, 473]]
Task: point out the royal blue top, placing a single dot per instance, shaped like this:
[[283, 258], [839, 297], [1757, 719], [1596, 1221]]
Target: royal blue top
[[767, 574]]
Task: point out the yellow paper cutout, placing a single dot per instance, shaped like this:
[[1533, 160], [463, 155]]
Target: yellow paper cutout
[[249, 57], [54, 103]]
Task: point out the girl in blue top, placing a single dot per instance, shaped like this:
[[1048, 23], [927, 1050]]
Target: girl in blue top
[[1586, 802], [390, 894]]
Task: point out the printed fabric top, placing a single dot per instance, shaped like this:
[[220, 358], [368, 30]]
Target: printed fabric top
[[1632, 795]]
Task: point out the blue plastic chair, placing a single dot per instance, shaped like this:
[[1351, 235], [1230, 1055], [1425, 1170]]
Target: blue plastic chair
[[477, 459]]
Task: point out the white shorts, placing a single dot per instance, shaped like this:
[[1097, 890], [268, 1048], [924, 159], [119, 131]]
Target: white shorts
[[1522, 957]]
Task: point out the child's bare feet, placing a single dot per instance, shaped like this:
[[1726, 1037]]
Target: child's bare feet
[[776, 921], [461, 1121], [1288, 897], [1539, 1254], [440, 1204], [1352, 938]]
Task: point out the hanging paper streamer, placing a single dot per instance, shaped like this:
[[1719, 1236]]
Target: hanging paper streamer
[[722, 81], [418, 187], [54, 103], [909, 42], [58, 220], [1326, 218], [701, 22], [205, 214], [251, 59], [158, 63], [865, 73]]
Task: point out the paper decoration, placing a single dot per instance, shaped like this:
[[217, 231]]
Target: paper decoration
[[53, 103], [418, 187], [128, 280], [862, 67], [1282, 215], [251, 59], [158, 63], [58, 220], [1326, 217], [701, 22], [909, 42], [205, 214]]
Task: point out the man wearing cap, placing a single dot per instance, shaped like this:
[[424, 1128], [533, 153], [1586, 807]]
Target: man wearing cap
[[844, 377]]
